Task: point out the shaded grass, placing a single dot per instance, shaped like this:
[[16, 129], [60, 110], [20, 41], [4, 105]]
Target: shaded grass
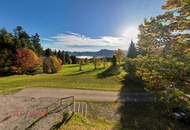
[[68, 77], [111, 71], [144, 115]]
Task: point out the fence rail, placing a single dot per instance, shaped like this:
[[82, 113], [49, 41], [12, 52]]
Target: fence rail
[[58, 106]]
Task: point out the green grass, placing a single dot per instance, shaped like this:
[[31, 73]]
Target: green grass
[[79, 122], [68, 77]]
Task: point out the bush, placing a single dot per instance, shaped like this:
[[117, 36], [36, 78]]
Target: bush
[[26, 61], [51, 64]]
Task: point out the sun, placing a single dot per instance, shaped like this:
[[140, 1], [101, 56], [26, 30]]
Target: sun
[[131, 33]]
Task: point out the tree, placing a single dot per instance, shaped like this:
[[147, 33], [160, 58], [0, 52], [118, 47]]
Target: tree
[[22, 39], [104, 61], [154, 35], [48, 52], [114, 60], [80, 64], [51, 64], [74, 59], [95, 63], [120, 56], [132, 52], [167, 75], [67, 58], [26, 60], [10, 42], [35, 39], [7, 51]]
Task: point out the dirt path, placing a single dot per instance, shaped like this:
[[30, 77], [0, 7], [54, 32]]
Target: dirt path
[[87, 95]]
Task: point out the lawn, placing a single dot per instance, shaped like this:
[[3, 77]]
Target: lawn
[[68, 77]]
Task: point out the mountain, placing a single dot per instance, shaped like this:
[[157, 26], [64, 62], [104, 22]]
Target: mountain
[[101, 53], [105, 53]]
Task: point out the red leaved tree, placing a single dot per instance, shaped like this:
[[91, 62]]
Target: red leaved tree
[[26, 60]]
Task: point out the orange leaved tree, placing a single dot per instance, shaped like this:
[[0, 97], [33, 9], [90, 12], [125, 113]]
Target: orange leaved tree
[[26, 60]]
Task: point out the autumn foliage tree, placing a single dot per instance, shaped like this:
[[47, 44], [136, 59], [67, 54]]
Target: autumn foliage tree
[[51, 64], [12, 45], [26, 60]]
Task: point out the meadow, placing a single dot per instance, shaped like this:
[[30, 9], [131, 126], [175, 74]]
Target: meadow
[[68, 77]]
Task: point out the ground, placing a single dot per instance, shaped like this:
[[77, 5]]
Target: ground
[[140, 113], [68, 77]]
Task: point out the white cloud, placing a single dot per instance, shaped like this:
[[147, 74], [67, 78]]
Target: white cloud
[[76, 42]]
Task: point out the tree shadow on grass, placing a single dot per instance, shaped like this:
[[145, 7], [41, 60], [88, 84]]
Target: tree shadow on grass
[[143, 114], [84, 72], [66, 118], [111, 71]]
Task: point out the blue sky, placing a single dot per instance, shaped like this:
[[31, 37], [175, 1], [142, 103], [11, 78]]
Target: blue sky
[[79, 25]]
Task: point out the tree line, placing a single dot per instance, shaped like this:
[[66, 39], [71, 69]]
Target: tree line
[[21, 53]]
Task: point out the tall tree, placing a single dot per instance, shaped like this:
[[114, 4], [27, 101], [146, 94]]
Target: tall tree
[[48, 52], [22, 39], [74, 59], [167, 74], [132, 52], [114, 60], [35, 39], [7, 51], [154, 35], [67, 58]]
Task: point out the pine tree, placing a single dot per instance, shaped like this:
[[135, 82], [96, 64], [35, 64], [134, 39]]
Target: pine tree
[[35, 39], [132, 52]]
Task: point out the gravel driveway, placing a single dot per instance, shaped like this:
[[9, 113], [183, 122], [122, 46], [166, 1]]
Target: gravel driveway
[[87, 95], [19, 110]]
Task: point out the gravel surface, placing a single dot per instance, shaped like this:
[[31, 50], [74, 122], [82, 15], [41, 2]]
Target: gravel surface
[[87, 95], [21, 109], [17, 113]]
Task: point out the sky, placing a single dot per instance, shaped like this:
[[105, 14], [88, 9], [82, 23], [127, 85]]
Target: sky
[[80, 25]]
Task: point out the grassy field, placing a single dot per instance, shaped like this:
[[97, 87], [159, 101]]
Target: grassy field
[[68, 77]]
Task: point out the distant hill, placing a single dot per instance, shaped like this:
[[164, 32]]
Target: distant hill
[[105, 53], [101, 53]]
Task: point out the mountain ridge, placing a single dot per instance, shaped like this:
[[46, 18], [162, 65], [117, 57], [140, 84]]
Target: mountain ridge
[[101, 53]]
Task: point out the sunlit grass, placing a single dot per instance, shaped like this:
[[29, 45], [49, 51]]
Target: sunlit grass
[[68, 77], [79, 122]]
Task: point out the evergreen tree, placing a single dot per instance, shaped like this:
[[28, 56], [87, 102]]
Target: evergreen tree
[[132, 52], [74, 59], [22, 39], [67, 58], [35, 39], [63, 57], [7, 51], [114, 60], [48, 52]]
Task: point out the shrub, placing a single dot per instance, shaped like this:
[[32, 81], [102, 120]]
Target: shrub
[[51, 64], [26, 61]]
